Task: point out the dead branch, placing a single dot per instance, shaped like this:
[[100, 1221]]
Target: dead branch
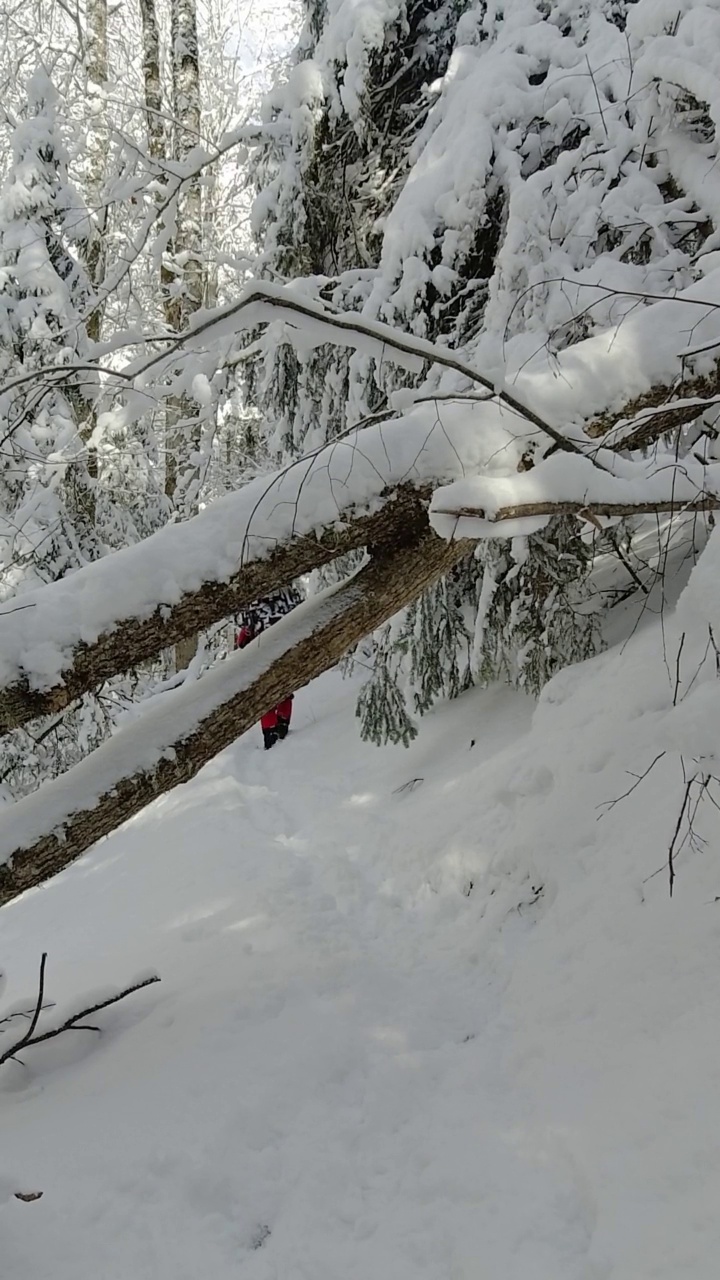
[[687, 814], [590, 511], [676, 833], [21, 1013], [332, 623], [678, 669], [607, 805], [716, 650], [73, 1023]]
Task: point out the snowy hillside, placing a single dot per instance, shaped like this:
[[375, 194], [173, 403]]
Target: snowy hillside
[[424, 1014]]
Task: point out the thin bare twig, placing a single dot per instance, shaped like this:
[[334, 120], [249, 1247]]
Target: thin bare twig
[[73, 1022], [607, 805], [715, 648], [676, 690], [676, 833]]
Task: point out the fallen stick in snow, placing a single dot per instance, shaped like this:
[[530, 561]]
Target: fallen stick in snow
[[76, 1022]]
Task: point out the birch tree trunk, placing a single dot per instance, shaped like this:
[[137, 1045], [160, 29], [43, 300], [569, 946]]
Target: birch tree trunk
[[183, 439], [181, 270], [93, 249], [188, 294], [96, 68], [157, 133]]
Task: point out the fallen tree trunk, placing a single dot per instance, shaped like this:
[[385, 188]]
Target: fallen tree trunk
[[41, 835], [399, 508], [402, 513]]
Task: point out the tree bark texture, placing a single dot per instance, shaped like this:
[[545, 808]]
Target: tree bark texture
[[332, 624], [152, 84], [157, 134], [670, 414]]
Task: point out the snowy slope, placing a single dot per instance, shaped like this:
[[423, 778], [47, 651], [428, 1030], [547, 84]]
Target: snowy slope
[[412, 1032]]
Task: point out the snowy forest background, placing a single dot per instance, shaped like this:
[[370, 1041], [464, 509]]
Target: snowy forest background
[[125, 209], [416, 304], [504, 180]]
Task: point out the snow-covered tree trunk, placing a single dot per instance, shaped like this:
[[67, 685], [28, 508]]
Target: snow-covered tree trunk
[[398, 513], [157, 137], [94, 245], [97, 144], [152, 82], [182, 444], [180, 236]]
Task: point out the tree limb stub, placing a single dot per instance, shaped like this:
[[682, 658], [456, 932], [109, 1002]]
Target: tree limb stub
[[402, 514], [390, 581]]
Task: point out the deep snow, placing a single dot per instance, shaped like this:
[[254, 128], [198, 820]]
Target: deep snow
[[422, 1014]]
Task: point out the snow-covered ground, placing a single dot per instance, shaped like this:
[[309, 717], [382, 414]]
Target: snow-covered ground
[[423, 1016]]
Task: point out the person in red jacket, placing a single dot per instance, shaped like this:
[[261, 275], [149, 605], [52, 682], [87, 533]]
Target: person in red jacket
[[275, 724]]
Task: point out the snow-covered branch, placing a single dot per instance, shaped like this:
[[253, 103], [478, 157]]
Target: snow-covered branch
[[544, 511], [369, 486], [189, 601], [172, 741], [475, 507], [264, 303], [656, 413], [366, 489]]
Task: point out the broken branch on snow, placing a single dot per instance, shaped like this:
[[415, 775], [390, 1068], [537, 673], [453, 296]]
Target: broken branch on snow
[[76, 1022]]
